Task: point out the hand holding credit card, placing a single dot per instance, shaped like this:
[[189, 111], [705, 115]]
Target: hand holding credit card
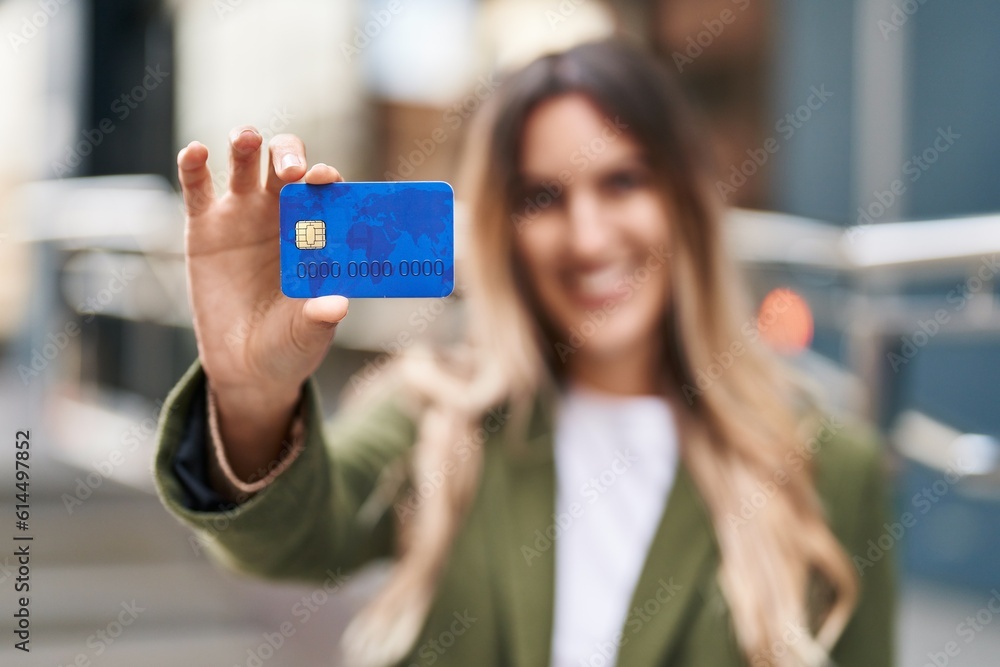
[[367, 240]]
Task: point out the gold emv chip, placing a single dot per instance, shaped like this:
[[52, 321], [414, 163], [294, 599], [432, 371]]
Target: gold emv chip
[[310, 234]]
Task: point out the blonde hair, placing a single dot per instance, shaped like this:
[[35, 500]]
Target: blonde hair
[[736, 433]]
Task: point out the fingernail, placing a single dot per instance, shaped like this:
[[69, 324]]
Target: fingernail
[[290, 160], [247, 133]]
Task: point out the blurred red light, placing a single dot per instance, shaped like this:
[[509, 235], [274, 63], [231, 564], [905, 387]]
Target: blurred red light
[[785, 321]]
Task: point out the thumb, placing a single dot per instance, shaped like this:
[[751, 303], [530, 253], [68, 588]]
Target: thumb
[[320, 317], [324, 312]]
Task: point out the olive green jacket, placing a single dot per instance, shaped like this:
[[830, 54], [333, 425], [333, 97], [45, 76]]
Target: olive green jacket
[[494, 602]]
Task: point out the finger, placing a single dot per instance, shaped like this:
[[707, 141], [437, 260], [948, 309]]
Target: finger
[[287, 161], [244, 159], [320, 316], [195, 178], [324, 312], [321, 174]]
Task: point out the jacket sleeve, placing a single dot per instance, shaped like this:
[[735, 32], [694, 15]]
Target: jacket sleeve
[[869, 638], [319, 516]]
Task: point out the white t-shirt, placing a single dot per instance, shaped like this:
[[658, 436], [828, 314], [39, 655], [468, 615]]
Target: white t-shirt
[[615, 458]]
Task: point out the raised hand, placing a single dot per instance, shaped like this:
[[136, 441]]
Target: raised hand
[[256, 345]]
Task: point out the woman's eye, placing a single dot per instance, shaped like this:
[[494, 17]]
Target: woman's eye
[[623, 181], [541, 197]]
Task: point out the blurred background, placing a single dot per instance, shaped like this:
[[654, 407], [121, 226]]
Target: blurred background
[[856, 141]]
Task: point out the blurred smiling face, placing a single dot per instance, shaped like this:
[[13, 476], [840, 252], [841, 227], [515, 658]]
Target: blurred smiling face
[[596, 251]]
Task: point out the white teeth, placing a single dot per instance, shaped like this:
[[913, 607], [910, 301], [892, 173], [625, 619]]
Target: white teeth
[[601, 281]]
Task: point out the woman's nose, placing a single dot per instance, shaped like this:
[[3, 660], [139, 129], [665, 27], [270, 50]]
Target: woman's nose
[[589, 230]]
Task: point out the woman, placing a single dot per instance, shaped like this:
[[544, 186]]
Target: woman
[[574, 497]]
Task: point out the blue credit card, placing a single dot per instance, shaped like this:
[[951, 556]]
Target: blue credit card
[[368, 240]]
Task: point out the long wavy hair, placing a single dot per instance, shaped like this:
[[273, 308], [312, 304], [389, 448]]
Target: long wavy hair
[[784, 565]]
